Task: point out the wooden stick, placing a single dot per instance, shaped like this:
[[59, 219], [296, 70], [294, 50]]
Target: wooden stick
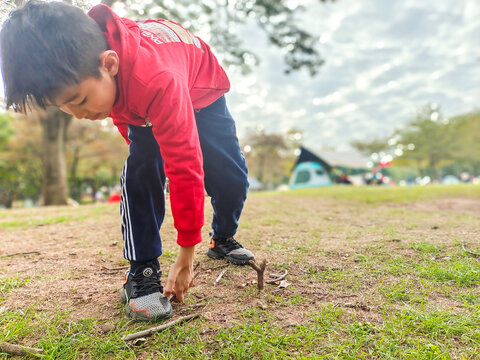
[[464, 247], [220, 276], [116, 269], [260, 271], [155, 329], [279, 278], [195, 268], [22, 253], [193, 306], [218, 267], [19, 350]]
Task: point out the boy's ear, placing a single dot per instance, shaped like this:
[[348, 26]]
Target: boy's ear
[[109, 61]]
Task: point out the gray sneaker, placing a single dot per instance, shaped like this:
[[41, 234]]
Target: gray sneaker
[[230, 250], [143, 296]]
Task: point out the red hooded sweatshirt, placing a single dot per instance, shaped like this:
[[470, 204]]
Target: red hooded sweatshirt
[[165, 74]]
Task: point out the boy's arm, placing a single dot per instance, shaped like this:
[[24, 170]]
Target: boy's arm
[[180, 277], [171, 113]]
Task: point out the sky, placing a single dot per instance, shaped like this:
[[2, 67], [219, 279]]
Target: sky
[[384, 59]]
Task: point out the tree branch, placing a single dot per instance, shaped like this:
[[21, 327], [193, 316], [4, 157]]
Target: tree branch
[[278, 278], [260, 271], [19, 350], [153, 330], [464, 247], [21, 253]]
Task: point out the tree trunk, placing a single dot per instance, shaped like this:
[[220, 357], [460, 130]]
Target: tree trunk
[[261, 168], [75, 161], [54, 126]]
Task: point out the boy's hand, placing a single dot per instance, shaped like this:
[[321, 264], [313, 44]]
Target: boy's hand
[[180, 277]]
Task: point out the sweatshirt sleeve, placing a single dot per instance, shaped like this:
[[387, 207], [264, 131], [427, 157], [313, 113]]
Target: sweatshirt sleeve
[[171, 113]]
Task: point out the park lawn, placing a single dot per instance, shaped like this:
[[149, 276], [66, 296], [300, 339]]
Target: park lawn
[[373, 273]]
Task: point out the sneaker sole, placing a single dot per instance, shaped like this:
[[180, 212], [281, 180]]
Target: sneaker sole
[[214, 255], [135, 316]]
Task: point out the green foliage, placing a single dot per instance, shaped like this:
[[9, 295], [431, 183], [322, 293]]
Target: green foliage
[[20, 158], [6, 130], [433, 138], [95, 156], [270, 156], [433, 144], [372, 146], [215, 20], [467, 141]]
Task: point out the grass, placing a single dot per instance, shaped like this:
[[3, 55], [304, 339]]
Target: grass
[[20, 218], [377, 195], [8, 284], [367, 280]]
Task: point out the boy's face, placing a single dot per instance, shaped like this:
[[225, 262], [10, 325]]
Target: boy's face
[[93, 98]]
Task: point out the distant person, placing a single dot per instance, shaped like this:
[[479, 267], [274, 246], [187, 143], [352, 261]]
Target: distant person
[[343, 179], [374, 178], [114, 197], [164, 90]]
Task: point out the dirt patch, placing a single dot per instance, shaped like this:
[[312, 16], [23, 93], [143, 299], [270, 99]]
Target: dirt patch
[[72, 270], [466, 206]]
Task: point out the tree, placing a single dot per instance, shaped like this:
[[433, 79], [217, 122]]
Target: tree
[[54, 124], [95, 155], [8, 175], [279, 19], [270, 156], [466, 138], [370, 147], [20, 159], [430, 138]]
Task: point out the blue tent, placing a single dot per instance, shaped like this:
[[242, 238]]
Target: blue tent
[[309, 174], [312, 170]]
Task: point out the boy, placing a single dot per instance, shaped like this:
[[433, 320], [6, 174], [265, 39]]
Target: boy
[[164, 89]]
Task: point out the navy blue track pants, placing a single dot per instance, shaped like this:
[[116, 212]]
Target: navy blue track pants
[[143, 180]]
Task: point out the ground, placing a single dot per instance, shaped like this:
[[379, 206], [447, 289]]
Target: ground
[[372, 273]]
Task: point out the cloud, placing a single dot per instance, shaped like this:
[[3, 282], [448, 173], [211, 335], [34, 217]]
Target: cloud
[[384, 59]]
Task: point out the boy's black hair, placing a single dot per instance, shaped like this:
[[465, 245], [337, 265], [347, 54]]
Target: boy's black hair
[[46, 47]]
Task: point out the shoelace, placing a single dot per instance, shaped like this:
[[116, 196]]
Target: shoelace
[[231, 244], [142, 286]]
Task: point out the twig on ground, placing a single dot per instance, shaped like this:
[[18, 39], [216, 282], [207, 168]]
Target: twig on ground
[[196, 266], [22, 253], [260, 271], [193, 306], [219, 267], [356, 306], [220, 276], [277, 279], [464, 247], [208, 270], [115, 269], [155, 329], [19, 350], [345, 296]]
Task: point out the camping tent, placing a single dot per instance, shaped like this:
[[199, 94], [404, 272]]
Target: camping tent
[[319, 164]]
